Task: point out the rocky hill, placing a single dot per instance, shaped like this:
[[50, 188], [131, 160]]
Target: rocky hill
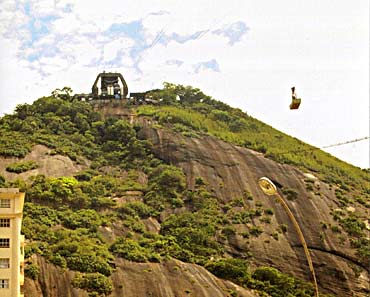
[[163, 201], [231, 171]]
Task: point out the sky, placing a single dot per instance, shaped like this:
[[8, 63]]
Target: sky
[[246, 53]]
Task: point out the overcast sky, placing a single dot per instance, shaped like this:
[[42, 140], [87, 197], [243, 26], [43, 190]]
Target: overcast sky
[[245, 53]]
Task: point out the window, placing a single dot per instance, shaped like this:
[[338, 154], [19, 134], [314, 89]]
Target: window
[[4, 263], [4, 223], [4, 242], [4, 203], [4, 283]]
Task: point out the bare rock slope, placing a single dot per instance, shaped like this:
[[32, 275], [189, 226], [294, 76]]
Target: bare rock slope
[[169, 279], [48, 164], [230, 170]]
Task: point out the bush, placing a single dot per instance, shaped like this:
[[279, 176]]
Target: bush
[[353, 226], [236, 270], [21, 166], [290, 194], [94, 283], [14, 144], [81, 251], [129, 249], [2, 181], [139, 209], [363, 249], [255, 231], [283, 228], [84, 218], [32, 271], [57, 259], [166, 184], [194, 233], [269, 211], [277, 284], [228, 231]]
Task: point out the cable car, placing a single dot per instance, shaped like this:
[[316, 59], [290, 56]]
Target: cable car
[[295, 100]]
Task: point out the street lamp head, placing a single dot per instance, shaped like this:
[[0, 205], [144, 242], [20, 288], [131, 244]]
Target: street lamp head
[[267, 186]]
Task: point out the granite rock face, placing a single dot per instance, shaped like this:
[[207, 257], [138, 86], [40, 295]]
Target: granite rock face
[[172, 278], [230, 171]]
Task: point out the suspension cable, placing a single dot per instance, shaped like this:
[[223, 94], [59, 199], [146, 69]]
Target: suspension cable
[[327, 146]]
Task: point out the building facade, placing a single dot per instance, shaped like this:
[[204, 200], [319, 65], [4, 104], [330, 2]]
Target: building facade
[[11, 243]]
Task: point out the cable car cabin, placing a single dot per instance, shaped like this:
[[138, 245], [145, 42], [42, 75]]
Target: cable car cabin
[[109, 85], [295, 103]]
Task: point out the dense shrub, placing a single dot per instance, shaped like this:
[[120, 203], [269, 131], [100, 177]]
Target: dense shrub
[[14, 144], [81, 251], [194, 233], [84, 218], [136, 209], [353, 226], [166, 184], [32, 271], [277, 284], [290, 194], [131, 250], [236, 270], [2, 181], [21, 166], [95, 284]]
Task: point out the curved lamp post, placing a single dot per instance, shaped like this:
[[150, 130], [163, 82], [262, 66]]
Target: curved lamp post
[[270, 189]]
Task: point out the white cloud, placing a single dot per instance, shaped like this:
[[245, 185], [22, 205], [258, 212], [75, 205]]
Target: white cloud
[[69, 24], [114, 48], [84, 51], [42, 8]]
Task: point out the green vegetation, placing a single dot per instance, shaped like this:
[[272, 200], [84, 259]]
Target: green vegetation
[[83, 222], [21, 166], [13, 143], [263, 279], [2, 181], [95, 284], [355, 228], [203, 114], [290, 194], [32, 271]]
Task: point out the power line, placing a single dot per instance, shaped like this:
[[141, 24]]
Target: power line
[[327, 146]]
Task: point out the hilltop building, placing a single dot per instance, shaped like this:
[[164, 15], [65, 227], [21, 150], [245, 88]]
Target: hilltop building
[[11, 243], [107, 86], [111, 86]]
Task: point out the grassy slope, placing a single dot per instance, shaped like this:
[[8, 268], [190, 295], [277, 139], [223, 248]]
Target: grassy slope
[[246, 131]]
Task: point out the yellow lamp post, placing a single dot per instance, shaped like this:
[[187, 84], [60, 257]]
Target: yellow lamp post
[[270, 189]]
